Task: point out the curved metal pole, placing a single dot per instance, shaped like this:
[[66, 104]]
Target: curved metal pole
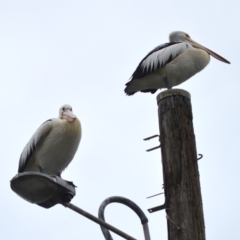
[[97, 220], [131, 205]]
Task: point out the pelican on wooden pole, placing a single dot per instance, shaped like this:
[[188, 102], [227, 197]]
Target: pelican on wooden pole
[[170, 64]]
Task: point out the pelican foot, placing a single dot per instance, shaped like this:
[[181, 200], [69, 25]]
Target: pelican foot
[[168, 85], [40, 169]]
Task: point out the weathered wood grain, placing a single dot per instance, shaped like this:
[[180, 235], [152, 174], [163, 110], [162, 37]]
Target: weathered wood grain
[[180, 166]]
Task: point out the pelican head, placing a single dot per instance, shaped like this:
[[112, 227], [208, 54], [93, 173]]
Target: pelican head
[[65, 112], [179, 36]]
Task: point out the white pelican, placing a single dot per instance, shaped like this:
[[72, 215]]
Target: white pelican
[[170, 64], [54, 144]]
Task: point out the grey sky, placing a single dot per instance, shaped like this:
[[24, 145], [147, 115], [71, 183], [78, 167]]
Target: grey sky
[[82, 53]]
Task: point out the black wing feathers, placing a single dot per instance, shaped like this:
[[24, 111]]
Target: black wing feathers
[[140, 71], [27, 153]]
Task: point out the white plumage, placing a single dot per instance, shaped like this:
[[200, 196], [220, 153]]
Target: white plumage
[[54, 144], [170, 64]]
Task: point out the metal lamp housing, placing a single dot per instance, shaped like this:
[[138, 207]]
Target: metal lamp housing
[[42, 189]]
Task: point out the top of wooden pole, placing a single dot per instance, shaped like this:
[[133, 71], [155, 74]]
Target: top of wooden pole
[[173, 92]]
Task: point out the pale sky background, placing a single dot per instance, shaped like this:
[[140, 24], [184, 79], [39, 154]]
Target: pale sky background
[[82, 53]]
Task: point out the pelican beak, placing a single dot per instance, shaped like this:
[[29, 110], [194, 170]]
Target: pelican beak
[[68, 115], [197, 45]]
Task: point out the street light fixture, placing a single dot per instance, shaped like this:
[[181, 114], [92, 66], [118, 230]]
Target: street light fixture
[[47, 191]]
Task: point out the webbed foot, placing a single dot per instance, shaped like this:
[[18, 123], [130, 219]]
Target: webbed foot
[[167, 83]]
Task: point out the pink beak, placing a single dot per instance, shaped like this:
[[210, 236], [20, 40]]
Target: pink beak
[[68, 115]]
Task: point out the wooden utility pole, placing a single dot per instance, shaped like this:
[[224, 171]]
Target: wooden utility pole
[[183, 199]]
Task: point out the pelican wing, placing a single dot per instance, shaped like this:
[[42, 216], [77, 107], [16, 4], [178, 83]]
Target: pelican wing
[[158, 58], [29, 149]]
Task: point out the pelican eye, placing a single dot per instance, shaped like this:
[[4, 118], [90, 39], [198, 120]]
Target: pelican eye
[[187, 36], [63, 109]]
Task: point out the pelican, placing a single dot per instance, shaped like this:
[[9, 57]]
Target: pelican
[[54, 144], [170, 64]]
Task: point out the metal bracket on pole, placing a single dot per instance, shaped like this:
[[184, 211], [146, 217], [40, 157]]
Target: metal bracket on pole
[[131, 205], [158, 208], [155, 195], [148, 138]]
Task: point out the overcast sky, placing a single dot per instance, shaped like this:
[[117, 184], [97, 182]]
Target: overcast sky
[[82, 53]]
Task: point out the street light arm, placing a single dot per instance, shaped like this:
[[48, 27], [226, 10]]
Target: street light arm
[[131, 205], [98, 221]]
